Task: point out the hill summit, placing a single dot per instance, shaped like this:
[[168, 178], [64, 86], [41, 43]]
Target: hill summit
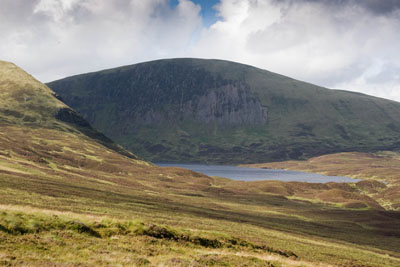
[[197, 110]]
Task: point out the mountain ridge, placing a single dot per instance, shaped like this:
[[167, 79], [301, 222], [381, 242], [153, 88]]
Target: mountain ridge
[[127, 66], [198, 110]]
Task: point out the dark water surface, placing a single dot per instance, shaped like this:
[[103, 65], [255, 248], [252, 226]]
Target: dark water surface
[[255, 174]]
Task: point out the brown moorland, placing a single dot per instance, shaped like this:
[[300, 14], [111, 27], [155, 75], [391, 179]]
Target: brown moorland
[[380, 172], [69, 197]]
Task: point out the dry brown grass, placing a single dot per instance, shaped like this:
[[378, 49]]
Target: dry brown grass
[[380, 173], [51, 168]]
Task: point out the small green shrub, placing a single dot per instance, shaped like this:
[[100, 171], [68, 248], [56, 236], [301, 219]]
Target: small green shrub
[[82, 228]]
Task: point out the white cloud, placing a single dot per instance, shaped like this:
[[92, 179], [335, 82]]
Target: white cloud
[[330, 45], [347, 45], [57, 38]]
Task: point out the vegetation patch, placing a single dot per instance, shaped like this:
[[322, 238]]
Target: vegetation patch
[[18, 223]]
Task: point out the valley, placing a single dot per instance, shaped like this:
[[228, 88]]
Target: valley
[[70, 196]]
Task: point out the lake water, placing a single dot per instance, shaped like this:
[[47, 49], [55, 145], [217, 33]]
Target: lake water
[[255, 174]]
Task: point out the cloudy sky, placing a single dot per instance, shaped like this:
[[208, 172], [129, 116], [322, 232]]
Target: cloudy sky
[[346, 44]]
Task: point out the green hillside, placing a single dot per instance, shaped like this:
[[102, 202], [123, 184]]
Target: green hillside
[[25, 101], [68, 199], [195, 110]]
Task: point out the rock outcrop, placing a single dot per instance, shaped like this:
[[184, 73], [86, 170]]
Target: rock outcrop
[[232, 104]]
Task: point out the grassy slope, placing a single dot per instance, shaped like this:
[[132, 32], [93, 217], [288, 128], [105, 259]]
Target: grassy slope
[[67, 199], [218, 209], [27, 102], [303, 119], [24, 100], [380, 172]]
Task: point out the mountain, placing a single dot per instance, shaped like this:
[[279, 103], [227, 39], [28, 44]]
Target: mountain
[[70, 196], [197, 110]]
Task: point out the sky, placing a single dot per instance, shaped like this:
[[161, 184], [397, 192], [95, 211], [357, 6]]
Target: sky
[[342, 44]]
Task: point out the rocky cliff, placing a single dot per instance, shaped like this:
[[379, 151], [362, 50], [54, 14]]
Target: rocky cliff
[[231, 104]]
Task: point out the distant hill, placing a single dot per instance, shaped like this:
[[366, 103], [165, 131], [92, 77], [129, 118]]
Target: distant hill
[[196, 110]]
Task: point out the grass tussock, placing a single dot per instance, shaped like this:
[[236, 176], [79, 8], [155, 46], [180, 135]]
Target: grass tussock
[[19, 223]]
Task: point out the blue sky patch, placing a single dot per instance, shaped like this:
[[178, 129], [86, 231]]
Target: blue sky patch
[[207, 11]]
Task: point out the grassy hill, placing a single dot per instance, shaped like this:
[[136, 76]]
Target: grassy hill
[[195, 110], [26, 102], [68, 199]]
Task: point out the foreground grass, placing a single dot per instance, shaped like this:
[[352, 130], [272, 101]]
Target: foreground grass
[[45, 173], [44, 237]]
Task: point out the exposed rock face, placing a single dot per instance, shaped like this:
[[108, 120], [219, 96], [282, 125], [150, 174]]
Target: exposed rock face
[[231, 104]]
